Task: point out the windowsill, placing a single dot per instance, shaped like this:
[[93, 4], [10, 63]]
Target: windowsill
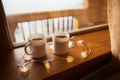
[[99, 43], [91, 28]]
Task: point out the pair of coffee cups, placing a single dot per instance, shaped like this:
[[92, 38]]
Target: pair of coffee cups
[[37, 44]]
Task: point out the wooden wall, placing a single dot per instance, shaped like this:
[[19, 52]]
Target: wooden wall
[[114, 28], [95, 13]]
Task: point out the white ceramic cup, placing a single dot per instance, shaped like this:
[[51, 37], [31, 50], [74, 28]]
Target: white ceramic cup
[[60, 41], [37, 44]]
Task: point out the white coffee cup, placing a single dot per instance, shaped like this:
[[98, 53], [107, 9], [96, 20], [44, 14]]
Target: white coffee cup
[[37, 44], [60, 41]]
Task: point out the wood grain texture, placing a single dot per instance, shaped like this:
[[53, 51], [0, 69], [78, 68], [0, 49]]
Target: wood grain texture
[[114, 27], [98, 41]]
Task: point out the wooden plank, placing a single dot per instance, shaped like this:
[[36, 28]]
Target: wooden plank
[[114, 27]]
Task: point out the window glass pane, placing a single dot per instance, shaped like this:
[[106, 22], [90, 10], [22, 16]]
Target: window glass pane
[[26, 6]]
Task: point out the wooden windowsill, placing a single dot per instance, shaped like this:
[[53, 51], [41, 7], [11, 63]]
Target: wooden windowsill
[[98, 41]]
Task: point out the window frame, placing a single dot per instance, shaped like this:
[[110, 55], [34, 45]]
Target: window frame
[[11, 45], [5, 40]]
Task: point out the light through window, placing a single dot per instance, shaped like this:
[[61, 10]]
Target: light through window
[[27, 6]]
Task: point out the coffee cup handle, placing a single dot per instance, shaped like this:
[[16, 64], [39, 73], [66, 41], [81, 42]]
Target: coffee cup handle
[[73, 43], [25, 49]]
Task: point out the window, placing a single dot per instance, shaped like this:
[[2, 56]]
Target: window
[[20, 29], [27, 17]]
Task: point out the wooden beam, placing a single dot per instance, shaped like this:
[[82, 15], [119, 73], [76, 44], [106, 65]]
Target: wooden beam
[[5, 41], [114, 27]]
